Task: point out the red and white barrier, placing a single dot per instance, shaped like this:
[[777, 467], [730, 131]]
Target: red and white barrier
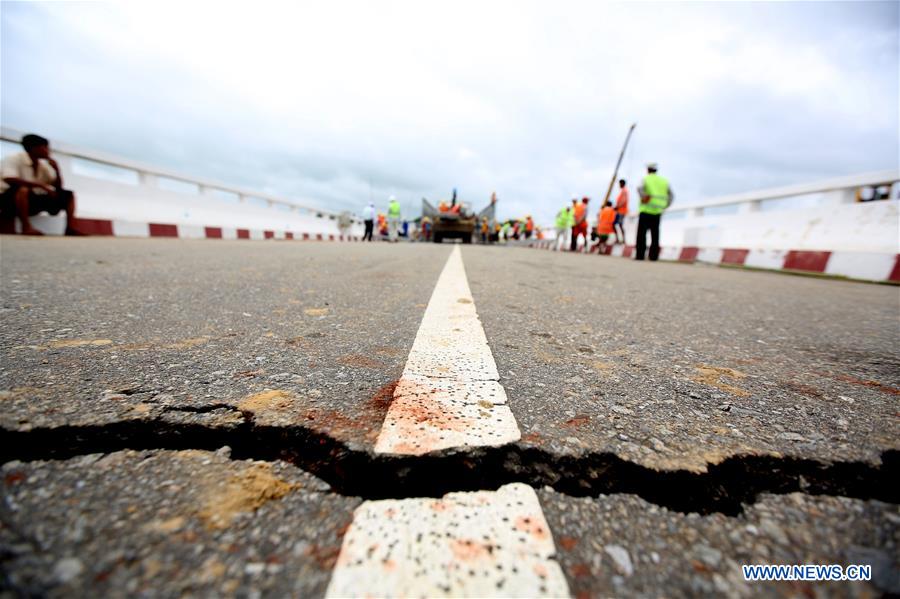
[[867, 266], [117, 228]]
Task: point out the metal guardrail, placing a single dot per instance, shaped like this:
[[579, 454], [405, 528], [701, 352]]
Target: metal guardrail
[[842, 189], [149, 176]]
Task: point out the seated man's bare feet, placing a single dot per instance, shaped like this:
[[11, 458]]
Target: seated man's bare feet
[[72, 231]]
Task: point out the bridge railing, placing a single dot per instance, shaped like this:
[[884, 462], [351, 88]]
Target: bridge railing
[[820, 194], [830, 215], [115, 188]]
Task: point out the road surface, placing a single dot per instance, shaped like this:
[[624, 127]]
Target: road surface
[[301, 418]]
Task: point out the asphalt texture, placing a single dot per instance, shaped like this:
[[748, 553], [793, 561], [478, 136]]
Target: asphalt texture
[[100, 331], [624, 547], [679, 366], [666, 369], [163, 523]]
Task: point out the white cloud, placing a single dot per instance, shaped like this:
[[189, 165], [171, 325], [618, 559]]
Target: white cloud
[[325, 101]]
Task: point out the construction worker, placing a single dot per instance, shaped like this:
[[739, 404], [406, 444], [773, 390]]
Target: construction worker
[[572, 224], [485, 228], [621, 212], [393, 218], [656, 195], [529, 227], [579, 210], [606, 219], [369, 220], [562, 227]]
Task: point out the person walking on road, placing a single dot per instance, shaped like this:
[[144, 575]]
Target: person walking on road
[[656, 195], [621, 212], [581, 223], [562, 228], [369, 220], [393, 218]]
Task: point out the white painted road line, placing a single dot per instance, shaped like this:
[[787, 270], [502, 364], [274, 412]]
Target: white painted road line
[[482, 544], [449, 395]]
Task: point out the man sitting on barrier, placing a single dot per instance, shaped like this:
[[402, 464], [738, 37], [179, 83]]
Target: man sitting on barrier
[[32, 183]]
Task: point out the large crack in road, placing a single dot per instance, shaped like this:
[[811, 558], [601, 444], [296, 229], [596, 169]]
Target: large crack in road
[[726, 487]]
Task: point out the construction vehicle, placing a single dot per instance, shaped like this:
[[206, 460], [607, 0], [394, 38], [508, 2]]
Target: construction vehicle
[[450, 221], [455, 220]]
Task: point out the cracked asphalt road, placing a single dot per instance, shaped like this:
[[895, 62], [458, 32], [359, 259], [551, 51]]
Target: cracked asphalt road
[[666, 366], [150, 329], [677, 366]]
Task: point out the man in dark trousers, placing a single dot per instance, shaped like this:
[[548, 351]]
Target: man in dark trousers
[[30, 183], [656, 195], [369, 220]]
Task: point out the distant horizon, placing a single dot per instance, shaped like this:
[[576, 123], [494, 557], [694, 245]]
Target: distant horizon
[[529, 102]]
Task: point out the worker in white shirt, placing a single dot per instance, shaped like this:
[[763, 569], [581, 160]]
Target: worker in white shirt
[[369, 220]]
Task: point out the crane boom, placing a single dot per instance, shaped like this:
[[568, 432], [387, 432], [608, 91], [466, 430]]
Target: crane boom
[[618, 164]]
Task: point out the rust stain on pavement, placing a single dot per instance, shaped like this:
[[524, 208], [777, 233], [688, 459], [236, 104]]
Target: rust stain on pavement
[[242, 492], [713, 375]]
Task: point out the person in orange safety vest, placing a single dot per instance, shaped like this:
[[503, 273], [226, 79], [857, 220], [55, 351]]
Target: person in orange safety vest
[[581, 223], [606, 219]]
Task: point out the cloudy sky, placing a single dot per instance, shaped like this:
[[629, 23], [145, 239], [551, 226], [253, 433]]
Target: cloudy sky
[[323, 102]]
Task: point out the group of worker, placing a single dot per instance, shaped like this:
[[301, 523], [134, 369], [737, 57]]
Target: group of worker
[[655, 196], [388, 224], [572, 225], [513, 229]]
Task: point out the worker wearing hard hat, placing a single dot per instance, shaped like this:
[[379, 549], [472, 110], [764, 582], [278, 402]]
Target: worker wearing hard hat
[[393, 218], [656, 195]]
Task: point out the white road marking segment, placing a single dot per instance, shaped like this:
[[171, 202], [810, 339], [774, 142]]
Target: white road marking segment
[[482, 544], [449, 395]]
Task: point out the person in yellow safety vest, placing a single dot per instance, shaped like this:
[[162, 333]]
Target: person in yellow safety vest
[[393, 218], [562, 228], [656, 195]]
